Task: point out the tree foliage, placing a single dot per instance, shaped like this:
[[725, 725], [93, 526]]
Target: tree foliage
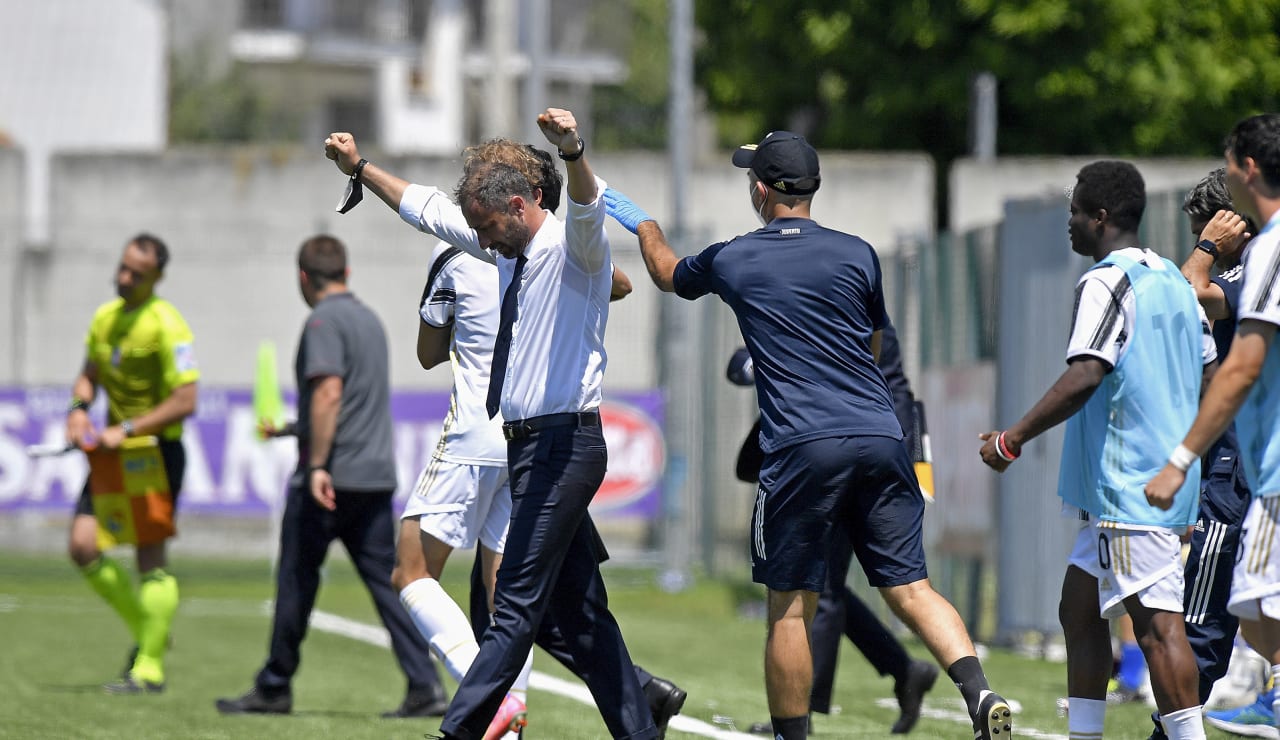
[[207, 107], [1121, 77]]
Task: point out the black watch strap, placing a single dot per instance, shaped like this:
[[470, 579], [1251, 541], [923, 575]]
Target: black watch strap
[[358, 169], [582, 147], [1207, 245]]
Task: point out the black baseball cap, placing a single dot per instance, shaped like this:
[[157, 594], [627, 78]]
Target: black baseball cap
[[782, 160]]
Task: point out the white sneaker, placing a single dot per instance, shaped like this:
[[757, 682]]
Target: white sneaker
[[1246, 677]]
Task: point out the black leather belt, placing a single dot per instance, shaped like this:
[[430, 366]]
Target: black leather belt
[[523, 428]]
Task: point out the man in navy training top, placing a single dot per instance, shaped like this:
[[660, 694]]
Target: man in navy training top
[[833, 448]]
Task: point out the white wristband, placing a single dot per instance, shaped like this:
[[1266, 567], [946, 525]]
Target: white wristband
[[1182, 458]]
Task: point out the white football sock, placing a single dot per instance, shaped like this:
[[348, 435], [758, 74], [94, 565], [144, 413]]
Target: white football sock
[[1184, 724], [521, 685], [1085, 718], [442, 623]]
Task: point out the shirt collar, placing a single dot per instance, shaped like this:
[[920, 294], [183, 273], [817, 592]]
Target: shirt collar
[[787, 222]]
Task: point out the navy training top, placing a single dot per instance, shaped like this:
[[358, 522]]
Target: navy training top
[[807, 299], [1225, 503]]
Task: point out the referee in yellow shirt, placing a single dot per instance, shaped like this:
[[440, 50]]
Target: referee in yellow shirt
[[139, 351]]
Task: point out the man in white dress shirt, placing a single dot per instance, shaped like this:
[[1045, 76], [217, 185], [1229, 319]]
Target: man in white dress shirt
[[549, 360]]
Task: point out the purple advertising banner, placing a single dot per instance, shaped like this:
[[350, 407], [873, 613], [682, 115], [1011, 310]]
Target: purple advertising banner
[[230, 471]]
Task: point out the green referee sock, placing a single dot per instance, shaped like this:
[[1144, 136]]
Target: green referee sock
[[113, 584], [158, 596]]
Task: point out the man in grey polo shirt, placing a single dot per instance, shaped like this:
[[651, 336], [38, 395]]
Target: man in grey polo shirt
[[342, 488]]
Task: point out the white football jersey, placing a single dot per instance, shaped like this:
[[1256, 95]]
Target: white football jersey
[[1105, 309], [463, 292]]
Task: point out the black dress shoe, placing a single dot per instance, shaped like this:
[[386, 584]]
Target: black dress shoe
[[430, 702], [910, 692], [258, 701], [665, 701]]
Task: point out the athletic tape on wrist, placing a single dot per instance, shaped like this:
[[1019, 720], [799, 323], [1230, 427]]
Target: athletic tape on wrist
[[1182, 458]]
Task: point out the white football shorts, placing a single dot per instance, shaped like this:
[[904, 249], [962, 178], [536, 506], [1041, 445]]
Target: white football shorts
[[459, 504], [1130, 561], [1255, 582]]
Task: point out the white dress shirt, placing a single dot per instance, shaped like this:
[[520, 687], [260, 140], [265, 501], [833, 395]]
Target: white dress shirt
[[557, 355]]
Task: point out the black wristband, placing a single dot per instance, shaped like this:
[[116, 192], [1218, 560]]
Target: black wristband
[[355, 172], [77, 404], [313, 468], [582, 147], [1207, 245]]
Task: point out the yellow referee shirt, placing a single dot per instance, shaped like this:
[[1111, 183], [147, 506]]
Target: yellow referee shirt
[[141, 356]]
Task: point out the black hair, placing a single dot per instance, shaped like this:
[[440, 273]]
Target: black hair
[[1258, 137], [550, 181], [1115, 186], [157, 248]]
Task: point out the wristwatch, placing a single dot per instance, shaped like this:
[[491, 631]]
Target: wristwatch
[[1207, 245], [582, 148], [127, 426]]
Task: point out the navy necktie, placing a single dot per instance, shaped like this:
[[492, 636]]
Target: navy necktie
[[502, 345]]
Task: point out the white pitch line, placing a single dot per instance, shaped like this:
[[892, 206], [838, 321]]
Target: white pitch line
[[960, 715], [367, 633]]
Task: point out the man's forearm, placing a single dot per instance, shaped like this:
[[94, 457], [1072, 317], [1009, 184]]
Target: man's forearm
[[1196, 270], [385, 185], [1068, 395], [433, 345], [659, 259], [84, 388], [179, 405], [326, 400]]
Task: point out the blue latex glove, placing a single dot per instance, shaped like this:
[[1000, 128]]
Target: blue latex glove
[[741, 370], [623, 210]]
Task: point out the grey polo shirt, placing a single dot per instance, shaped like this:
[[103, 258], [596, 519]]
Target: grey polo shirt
[[344, 338]]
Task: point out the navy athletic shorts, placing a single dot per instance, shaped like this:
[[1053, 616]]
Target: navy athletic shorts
[[866, 485]]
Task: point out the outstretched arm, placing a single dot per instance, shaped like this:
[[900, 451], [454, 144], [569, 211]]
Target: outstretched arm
[[561, 129], [1226, 394], [1067, 396], [341, 148], [659, 258]]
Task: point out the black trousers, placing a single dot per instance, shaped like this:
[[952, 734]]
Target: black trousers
[[550, 570], [548, 637], [840, 612], [364, 524]]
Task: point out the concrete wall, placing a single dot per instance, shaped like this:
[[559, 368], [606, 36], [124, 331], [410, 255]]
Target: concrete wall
[[978, 190], [234, 218], [12, 203]]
